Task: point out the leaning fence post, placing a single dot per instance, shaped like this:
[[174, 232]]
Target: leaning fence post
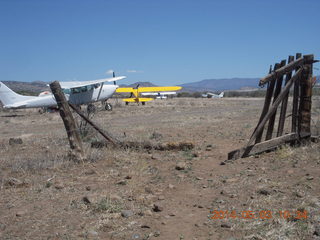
[[304, 125], [75, 142]]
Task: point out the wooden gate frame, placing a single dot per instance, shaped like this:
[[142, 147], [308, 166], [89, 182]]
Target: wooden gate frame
[[301, 81]]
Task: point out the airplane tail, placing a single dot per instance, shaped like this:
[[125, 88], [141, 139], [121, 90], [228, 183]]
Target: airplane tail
[[221, 94], [8, 97]]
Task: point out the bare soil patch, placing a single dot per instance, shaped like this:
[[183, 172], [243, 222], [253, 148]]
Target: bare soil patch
[[141, 193]]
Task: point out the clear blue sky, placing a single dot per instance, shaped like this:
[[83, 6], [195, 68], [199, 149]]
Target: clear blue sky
[[164, 42]]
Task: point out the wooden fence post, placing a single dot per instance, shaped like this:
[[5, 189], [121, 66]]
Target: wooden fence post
[[267, 101], [304, 125], [75, 142], [284, 104], [276, 94], [295, 101]]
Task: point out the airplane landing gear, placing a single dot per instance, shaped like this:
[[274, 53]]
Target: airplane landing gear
[[108, 107], [91, 108]]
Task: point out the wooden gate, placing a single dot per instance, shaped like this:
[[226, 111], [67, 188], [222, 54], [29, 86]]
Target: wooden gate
[[297, 74]]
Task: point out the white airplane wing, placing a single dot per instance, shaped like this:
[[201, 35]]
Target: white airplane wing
[[86, 83], [158, 93]]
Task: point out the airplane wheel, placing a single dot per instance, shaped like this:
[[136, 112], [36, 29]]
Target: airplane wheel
[[108, 107], [127, 103], [91, 108], [143, 103]]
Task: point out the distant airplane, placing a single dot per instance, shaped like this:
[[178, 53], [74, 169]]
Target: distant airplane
[[212, 95], [77, 93], [135, 93]]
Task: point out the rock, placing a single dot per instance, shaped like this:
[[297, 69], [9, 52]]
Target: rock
[[199, 178], [161, 197], [310, 178], [86, 200], [15, 141], [14, 182], [233, 195], [126, 213], [122, 182], [223, 163], [157, 207], [225, 225], [181, 166], [59, 186], [231, 180], [264, 192], [147, 212], [156, 234], [20, 213], [128, 177], [115, 197], [92, 233], [90, 172], [135, 236], [88, 188], [171, 186]]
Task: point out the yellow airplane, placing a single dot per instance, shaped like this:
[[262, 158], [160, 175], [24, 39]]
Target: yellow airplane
[[145, 91]]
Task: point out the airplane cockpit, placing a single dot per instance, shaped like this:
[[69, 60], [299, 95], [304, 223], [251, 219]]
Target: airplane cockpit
[[83, 89]]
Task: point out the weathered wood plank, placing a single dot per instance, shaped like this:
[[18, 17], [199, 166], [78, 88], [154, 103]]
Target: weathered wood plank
[[284, 104], [276, 94], [305, 97], [262, 147], [281, 71], [274, 106], [295, 101], [69, 122], [267, 102]]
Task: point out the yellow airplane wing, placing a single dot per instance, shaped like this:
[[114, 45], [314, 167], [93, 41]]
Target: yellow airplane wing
[[158, 89], [124, 90]]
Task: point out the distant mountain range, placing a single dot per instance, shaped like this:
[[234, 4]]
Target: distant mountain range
[[221, 84], [200, 86], [32, 87], [141, 84]]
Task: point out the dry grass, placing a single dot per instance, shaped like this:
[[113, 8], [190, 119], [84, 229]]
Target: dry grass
[[53, 188]]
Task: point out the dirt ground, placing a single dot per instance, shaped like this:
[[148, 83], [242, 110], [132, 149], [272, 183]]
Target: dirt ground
[[154, 194]]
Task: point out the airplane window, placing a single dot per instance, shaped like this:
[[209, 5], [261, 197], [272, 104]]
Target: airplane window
[[96, 85], [84, 89], [90, 87], [66, 90], [75, 90]]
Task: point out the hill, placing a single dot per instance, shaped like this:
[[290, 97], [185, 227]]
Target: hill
[[141, 84], [32, 88], [221, 84]]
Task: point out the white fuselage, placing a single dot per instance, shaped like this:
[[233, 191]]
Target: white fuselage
[[81, 95]]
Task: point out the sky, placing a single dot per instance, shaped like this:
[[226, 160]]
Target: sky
[[166, 42]]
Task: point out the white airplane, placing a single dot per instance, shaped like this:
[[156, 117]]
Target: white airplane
[[212, 95], [159, 95], [76, 93]]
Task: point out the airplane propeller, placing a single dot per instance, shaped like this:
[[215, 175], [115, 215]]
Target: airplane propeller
[[114, 75]]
